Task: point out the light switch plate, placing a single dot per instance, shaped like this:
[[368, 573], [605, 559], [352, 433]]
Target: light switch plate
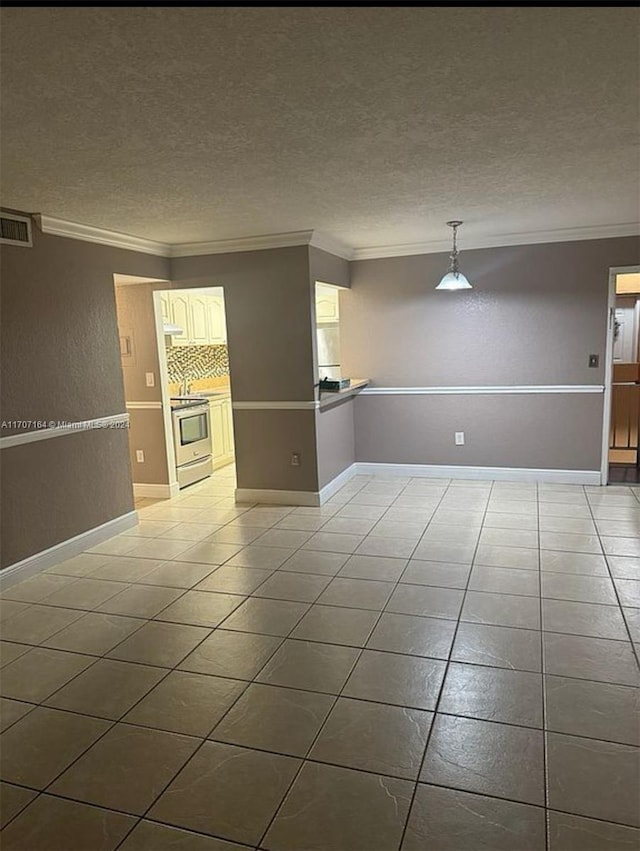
[[140, 456], [459, 438], [150, 379]]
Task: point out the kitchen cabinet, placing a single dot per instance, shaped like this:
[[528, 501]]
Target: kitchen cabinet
[[221, 417], [327, 304], [200, 315], [165, 308]]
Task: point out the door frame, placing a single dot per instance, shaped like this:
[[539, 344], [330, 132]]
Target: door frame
[[614, 271]]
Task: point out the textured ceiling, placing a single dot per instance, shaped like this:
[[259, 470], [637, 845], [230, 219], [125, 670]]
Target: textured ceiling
[[372, 125]]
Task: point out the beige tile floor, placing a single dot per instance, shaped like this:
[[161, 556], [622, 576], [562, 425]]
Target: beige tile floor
[[420, 664]]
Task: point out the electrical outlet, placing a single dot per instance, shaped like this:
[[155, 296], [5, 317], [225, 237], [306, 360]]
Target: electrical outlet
[[295, 459], [150, 379], [140, 456], [594, 360], [459, 438]]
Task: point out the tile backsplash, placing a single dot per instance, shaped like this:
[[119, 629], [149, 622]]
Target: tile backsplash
[[193, 362]]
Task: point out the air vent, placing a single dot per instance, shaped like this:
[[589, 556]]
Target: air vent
[[15, 230]]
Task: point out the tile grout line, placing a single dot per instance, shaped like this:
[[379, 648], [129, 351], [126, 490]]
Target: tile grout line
[[444, 677], [545, 767], [337, 698]]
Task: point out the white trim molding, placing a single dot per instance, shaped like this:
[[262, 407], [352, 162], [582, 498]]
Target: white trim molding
[[101, 236], [480, 390], [144, 406], [498, 240], [334, 485], [275, 406], [66, 549], [277, 497], [154, 491], [59, 428], [262, 243], [501, 474]]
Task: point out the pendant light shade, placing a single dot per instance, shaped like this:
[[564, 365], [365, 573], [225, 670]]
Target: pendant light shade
[[454, 279]]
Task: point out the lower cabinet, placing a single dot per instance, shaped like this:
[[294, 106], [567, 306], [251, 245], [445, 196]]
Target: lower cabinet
[[221, 417]]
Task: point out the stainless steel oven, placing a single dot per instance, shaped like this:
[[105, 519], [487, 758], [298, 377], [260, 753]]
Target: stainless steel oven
[[192, 441]]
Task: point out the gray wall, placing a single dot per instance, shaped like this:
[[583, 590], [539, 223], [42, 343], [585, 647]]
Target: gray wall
[[268, 302], [335, 440], [60, 361], [535, 314]]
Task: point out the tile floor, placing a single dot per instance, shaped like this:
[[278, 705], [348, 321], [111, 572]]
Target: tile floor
[[420, 664]]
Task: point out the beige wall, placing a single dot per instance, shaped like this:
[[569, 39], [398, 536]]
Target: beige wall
[[336, 442], [60, 361], [136, 317], [535, 314]]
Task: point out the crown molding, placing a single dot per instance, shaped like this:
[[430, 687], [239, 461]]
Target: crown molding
[[88, 233], [499, 241], [316, 239]]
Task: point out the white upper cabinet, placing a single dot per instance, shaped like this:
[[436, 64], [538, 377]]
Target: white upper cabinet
[[165, 307], [200, 315], [327, 304]]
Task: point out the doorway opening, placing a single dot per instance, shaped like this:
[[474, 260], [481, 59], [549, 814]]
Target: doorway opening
[[623, 448], [194, 362]]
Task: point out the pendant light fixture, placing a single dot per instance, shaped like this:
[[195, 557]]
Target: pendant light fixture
[[454, 279]]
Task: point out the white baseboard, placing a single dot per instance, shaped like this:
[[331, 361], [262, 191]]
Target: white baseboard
[[156, 491], [335, 484], [503, 474], [277, 497], [66, 549]]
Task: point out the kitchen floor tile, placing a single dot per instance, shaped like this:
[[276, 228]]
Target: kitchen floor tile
[[41, 745], [296, 587], [238, 655], [94, 633], [486, 758], [439, 574], [594, 710], [401, 680], [186, 703], [617, 546], [583, 589], [586, 564], [450, 820], [336, 625], [493, 694], [201, 608], [576, 768], [268, 617], [227, 791], [9, 652], [570, 542], [310, 561], [283, 538], [37, 674], [53, 824], [496, 520], [508, 537], [426, 600], [126, 769], [234, 580], [11, 711], [84, 594], [235, 535], [311, 666], [192, 532], [124, 569], [333, 542], [37, 623], [505, 580], [162, 644], [140, 601], [356, 593], [574, 833], [440, 551], [399, 548], [597, 659], [412, 635], [159, 548], [501, 610], [380, 568], [572, 525], [107, 689], [498, 646], [374, 737], [269, 718], [207, 553], [82, 564], [330, 808], [521, 558], [266, 558], [151, 836], [177, 574], [10, 608], [14, 799], [583, 619], [624, 567], [301, 523], [628, 592]]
